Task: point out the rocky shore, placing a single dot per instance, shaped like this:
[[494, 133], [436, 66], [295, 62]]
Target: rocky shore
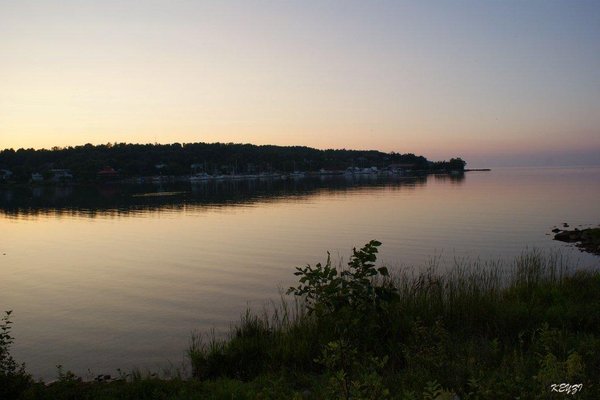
[[586, 239]]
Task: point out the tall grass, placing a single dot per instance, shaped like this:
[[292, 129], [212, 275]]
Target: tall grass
[[477, 296], [499, 326], [282, 336]]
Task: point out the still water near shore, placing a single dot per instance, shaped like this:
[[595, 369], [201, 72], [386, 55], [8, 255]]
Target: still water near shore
[[101, 278]]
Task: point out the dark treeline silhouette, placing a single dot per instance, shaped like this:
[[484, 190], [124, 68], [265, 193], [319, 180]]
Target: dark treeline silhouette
[[131, 160]]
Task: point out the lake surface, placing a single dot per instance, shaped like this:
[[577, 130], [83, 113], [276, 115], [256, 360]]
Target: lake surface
[[101, 278]]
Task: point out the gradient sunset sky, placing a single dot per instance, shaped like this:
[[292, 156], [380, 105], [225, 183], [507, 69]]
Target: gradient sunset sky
[[495, 82]]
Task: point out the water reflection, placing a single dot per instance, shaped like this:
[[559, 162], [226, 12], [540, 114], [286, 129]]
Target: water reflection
[[91, 290], [121, 199], [456, 178]]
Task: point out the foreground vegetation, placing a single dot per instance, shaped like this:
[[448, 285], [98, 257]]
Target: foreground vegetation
[[478, 331]]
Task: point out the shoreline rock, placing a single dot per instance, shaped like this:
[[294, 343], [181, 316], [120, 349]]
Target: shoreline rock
[[586, 239]]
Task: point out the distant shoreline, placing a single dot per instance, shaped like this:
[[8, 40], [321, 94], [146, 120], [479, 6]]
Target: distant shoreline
[[113, 162]]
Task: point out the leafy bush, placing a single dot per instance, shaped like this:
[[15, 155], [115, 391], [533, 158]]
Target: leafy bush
[[352, 306], [352, 299], [13, 378]]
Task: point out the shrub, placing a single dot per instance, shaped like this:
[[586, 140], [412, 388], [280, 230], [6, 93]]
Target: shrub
[[13, 378], [351, 299]]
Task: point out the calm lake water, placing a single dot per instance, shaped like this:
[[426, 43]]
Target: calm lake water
[[101, 278]]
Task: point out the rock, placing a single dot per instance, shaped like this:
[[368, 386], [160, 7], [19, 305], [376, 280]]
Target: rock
[[565, 225], [555, 230], [586, 239], [565, 236]]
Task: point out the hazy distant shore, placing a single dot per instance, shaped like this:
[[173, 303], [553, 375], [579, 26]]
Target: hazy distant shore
[[122, 161]]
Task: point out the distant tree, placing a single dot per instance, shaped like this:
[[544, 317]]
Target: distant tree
[[457, 164]]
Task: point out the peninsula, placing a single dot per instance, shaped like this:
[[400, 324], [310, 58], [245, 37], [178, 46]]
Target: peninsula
[[123, 161]]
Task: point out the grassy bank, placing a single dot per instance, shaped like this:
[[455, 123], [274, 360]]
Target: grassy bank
[[474, 332]]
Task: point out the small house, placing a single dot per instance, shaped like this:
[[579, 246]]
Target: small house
[[60, 175], [197, 167], [5, 175], [107, 173], [37, 177]]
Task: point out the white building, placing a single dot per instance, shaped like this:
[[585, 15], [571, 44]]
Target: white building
[[5, 174], [61, 175]]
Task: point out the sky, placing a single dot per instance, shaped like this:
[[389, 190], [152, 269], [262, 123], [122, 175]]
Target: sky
[[494, 82]]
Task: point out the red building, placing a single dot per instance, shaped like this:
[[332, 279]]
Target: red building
[[107, 173]]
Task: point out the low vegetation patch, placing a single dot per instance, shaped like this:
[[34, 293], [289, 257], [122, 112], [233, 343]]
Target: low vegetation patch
[[478, 331]]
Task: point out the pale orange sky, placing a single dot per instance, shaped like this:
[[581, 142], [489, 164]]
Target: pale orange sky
[[479, 80]]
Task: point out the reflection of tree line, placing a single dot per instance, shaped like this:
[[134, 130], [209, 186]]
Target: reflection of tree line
[[115, 200], [457, 177]]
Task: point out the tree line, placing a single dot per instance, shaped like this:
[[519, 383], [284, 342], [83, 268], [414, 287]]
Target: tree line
[[177, 159]]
